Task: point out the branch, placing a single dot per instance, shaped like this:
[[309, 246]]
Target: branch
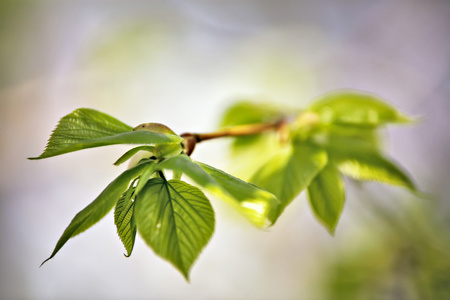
[[191, 139]]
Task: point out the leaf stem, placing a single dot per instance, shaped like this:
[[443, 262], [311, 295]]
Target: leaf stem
[[191, 139]]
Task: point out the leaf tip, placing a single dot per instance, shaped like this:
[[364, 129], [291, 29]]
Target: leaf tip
[[45, 261], [331, 230]]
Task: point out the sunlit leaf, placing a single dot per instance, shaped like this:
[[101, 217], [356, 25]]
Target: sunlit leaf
[[124, 219], [98, 208], [356, 108], [127, 155], [367, 164], [87, 128], [259, 206], [327, 197], [290, 172], [176, 220]]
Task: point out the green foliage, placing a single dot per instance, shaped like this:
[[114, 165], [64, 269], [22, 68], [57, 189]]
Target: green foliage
[[124, 218], [87, 128], [258, 205], [95, 211], [327, 197], [247, 112], [290, 172], [310, 150], [357, 109], [130, 153], [176, 220]]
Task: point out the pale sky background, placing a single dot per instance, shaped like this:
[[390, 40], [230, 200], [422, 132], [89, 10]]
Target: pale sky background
[[182, 63]]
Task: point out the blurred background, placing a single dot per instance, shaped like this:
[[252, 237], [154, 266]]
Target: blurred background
[[182, 63]]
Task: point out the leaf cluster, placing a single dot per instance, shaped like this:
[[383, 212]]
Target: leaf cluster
[[335, 136]]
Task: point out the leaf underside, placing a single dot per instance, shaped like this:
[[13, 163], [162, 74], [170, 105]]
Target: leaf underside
[[176, 220]]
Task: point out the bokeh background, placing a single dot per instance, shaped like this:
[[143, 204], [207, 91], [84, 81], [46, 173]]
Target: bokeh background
[[182, 63]]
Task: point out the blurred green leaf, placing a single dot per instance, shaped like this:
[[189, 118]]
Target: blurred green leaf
[[98, 208], [124, 219], [290, 172], [246, 112], [356, 108], [369, 164], [127, 155], [87, 128], [258, 205], [176, 220], [341, 136], [327, 197]]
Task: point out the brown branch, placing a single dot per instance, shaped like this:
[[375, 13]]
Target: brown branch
[[191, 139]]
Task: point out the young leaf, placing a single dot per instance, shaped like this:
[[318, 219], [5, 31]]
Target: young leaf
[[368, 164], [98, 208], [132, 137], [145, 176], [132, 152], [290, 172], [356, 108], [124, 219], [246, 112], [176, 220], [183, 163], [258, 205], [327, 197], [87, 128]]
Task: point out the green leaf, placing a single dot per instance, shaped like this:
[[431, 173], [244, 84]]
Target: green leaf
[[246, 112], [98, 208], [176, 220], [86, 128], [327, 197], [345, 137], [183, 163], [356, 108], [132, 152], [132, 137], [290, 172], [369, 164], [258, 205], [145, 176], [124, 219]]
